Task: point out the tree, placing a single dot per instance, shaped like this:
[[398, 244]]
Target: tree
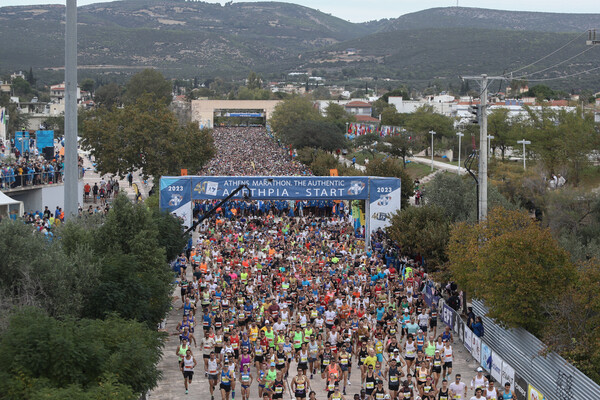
[[88, 85], [108, 95], [457, 196], [145, 136], [574, 328], [71, 356], [149, 81], [397, 146], [379, 105], [499, 126], [20, 87], [561, 139], [391, 167], [30, 78], [399, 92], [573, 216], [254, 81], [389, 116], [541, 92], [368, 140], [422, 230], [135, 281], [316, 134], [56, 124], [321, 93], [512, 264], [36, 272], [423, 120], [338, 115], [290, 112]]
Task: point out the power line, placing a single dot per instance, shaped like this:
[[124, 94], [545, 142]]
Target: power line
[[564, 76], [555, 65], [548, 55]]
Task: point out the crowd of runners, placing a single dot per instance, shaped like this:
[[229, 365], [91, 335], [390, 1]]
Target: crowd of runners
[[250, 151], [275, 305]]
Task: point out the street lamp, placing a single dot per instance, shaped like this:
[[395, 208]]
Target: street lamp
[[524, 142], [432, 133], [460, 135], [490, 137]]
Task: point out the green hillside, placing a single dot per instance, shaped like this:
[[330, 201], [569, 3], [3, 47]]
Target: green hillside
[[463, 17], [426, 54], [178, 37], [185, 39]]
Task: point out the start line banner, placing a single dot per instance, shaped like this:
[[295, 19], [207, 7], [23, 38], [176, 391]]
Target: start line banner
[[382, 194]]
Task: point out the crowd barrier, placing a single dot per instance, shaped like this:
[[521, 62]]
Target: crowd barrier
[[517, 357], [14, 181]]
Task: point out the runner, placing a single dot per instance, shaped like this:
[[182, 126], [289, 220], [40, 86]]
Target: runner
[[187, 368]]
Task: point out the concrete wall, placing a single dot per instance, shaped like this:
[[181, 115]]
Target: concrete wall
[[203, 111], [35, 199]]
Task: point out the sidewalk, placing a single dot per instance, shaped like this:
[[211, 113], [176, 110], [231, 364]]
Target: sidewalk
[[91, 176], [438, 164]]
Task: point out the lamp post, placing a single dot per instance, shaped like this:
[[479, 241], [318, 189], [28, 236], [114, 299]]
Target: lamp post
[[71, 169], [460, 135], [490, 137], [432, 133], [524, 142]]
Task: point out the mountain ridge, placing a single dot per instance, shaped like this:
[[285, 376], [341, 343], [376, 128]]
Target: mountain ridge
[[185, 39]]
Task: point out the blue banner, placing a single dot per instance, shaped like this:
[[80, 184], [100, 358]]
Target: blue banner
[[447, 315], [175, 197], [282, 187], [245, 115], [22, 141], [44, 139]]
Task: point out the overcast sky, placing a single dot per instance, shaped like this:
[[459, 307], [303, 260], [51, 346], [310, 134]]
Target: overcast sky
[[366, 10]]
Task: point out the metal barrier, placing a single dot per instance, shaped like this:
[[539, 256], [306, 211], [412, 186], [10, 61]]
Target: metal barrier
[[515, 355], [19, 181]]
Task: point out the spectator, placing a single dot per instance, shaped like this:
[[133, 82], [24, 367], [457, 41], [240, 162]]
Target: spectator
[[477, 327]]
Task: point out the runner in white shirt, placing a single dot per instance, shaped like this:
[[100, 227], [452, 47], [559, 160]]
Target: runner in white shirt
[[479, 381], [187, 367], [458, 389]]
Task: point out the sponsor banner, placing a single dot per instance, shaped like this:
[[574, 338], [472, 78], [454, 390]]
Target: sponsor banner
[[384, 196], [44, 139], [282, 187], [468, 339], [447, 315], [534, 394], [429, 291], [486, 356], [476, 347], [22, 141], [175, 197], [521, 387], [459, 327], [245, 115], [496, 369], [508, 375]]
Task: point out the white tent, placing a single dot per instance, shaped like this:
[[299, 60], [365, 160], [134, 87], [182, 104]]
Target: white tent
[[9, 206]]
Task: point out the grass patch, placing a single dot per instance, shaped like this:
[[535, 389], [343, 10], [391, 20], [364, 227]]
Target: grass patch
[[417, 171], [589, 177]]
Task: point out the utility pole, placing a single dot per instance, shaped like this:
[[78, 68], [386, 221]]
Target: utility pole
[[484, 81], [432, 133], [460, 135], [490, 138], [592, 40], [524, 142], [71, 178]]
